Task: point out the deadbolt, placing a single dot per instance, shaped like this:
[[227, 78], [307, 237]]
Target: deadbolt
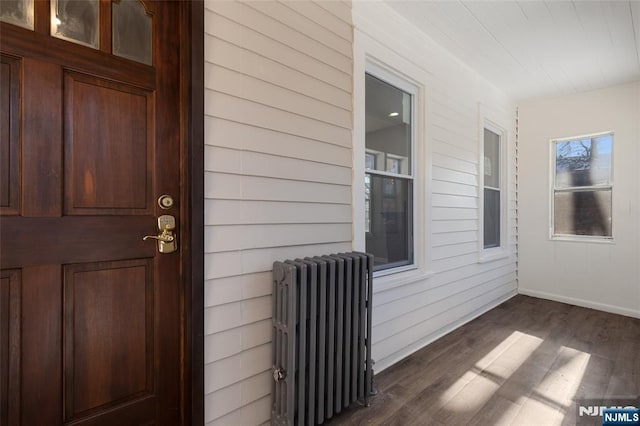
[[165, 201]]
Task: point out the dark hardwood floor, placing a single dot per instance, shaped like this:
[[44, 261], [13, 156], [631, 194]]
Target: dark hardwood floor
[[525, 362]]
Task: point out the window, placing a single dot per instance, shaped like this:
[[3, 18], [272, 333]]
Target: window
[[582, 187], [389, 175], [492, 188]]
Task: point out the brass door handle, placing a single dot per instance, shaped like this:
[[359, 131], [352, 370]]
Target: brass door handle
[[165, 236], [166, 240]]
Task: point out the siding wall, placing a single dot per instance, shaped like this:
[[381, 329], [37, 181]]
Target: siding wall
[[450, 286], [278, 132]]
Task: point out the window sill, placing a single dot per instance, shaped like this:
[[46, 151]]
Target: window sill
[[388, 280], [577, 239], [492, 257]]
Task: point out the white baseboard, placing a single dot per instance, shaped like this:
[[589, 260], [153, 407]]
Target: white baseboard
[[581, 302]]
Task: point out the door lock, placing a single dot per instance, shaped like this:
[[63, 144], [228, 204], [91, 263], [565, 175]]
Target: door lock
[[166, 239]]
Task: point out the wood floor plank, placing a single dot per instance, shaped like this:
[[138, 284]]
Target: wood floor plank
[[526, 362], [497, 411]]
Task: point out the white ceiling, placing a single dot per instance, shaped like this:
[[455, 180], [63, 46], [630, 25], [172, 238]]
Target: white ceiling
[[533, 49]]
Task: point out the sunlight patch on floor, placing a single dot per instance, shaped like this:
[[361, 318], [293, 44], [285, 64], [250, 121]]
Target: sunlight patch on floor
[[536, 413], [476, 386], [549, 401], [563, 380]]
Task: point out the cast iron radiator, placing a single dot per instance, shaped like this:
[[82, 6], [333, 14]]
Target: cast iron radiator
[[321, 337]]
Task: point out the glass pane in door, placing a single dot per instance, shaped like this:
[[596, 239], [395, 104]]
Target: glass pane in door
[[76, 21], [131, 31], [17, 12]]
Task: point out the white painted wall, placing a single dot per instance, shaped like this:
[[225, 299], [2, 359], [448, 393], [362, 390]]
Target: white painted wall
[[449, 286], [598, 275], [278, 134]]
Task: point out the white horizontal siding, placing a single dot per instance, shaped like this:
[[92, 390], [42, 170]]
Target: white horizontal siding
[[243, 86], [240, 187], [446, 316], [232, 263], [448, 175], [454, 188], [232, 108], [245, 36], [229, 400], [307, 26], [230, 134], [476, 270], [236, 288], [224, 238], [412, 312], [232, 161], [250, 63], [250, 413], [340, 26], [420, 308], [278, 119], [438, 240], [237, 314], [272, 28], [250, 212], [453, 213]]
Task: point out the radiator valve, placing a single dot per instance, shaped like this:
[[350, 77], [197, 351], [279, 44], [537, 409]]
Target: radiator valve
[[279, 374]]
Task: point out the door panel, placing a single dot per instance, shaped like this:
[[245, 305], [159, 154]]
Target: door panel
[[108, 148], [90, 314], [9, 136], [41, 340], [10, 300], [41, 129], [108, 335]]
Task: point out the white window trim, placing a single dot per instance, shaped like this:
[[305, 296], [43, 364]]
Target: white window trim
[[488, 120], [552, 187], [370, 57]]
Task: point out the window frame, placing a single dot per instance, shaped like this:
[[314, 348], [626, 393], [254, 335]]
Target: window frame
[[553, 144], [394, 79], [501, 251]]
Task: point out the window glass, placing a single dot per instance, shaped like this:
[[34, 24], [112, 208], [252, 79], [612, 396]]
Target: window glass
[[390, 221], [491, 218], [388, 126], [367, 203], [582, 186], [583, 213], [491, 159], [389, 175], [131, 31], [370, 161], [17, 12], [583, 162], [492, 191], [76, 21]]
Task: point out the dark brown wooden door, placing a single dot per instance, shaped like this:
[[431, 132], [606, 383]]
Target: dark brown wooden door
[[90, 314]]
